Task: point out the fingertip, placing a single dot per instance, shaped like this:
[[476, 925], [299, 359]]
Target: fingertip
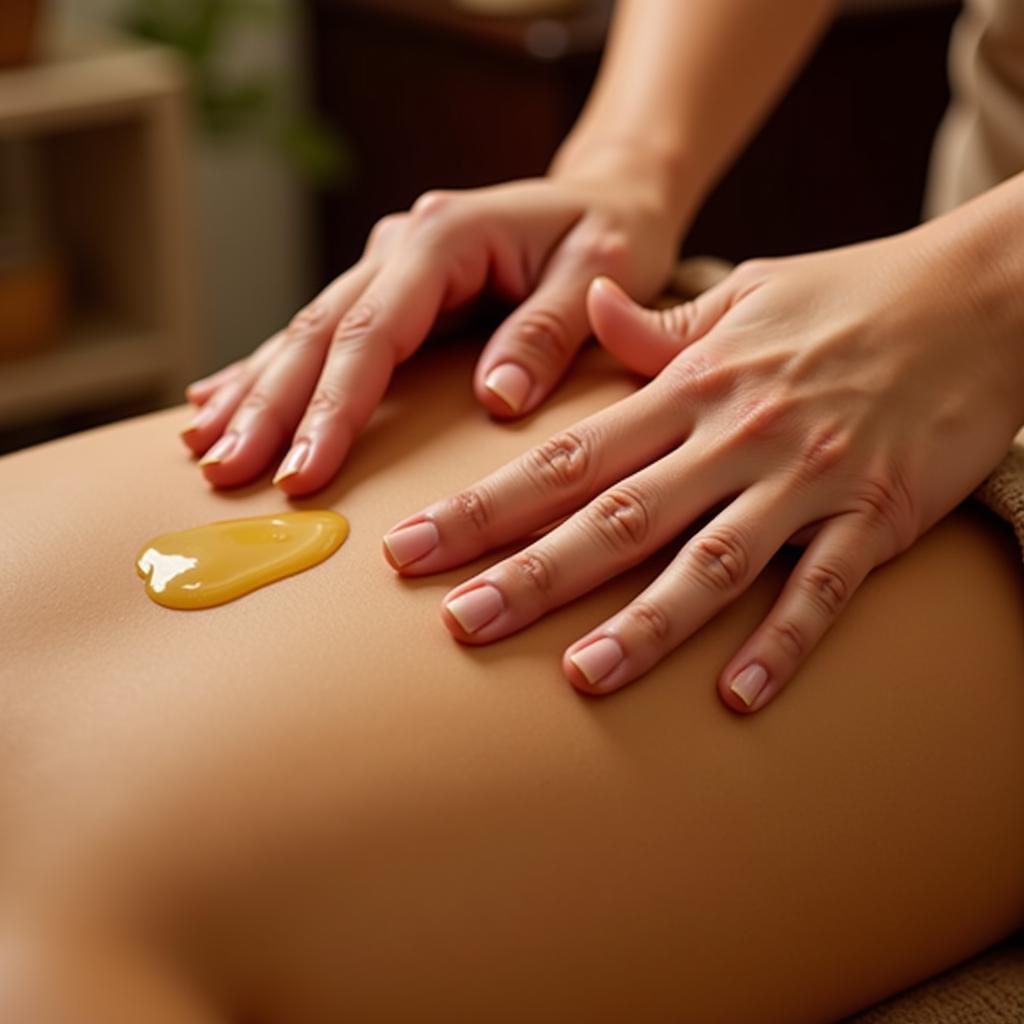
[[748, 690], [507, 390], [191, 439], [236, 458], [309, 466], [597, 666]]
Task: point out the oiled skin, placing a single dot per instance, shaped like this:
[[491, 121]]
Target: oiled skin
[[312, 805]]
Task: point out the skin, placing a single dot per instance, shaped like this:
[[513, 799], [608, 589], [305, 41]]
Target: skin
[[616, 201], [847, 400], [311, 805], [812, 400]]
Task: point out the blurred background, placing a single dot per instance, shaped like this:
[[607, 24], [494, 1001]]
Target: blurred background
[[178, 176]]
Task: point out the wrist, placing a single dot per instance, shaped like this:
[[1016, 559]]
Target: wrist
[[658, 172], [973, 255]]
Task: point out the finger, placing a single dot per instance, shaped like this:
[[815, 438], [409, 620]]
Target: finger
[[266, 415], [531, 350], [647, 340], [713, 568], [200, 390], [843, 552], [615, 531], [387, 323], [545, 483], [210, 422]]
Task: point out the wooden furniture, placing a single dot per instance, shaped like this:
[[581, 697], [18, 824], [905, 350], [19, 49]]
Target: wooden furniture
[[104, 126], [432, 96]]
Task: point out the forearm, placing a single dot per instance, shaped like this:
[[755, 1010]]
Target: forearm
[[683, 85], [976, 252]]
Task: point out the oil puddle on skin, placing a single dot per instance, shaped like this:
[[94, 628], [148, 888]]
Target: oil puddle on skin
[[209, 565]]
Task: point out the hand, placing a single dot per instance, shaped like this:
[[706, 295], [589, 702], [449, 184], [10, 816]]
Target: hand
[[850, 398], [538, 243]]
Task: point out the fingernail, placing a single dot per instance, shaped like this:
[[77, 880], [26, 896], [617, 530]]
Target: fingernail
[[599, 659], [201, 419], [511, 383], [293, 462], [605, 284], [411, 542], [220, 451], [476, 607], [749, 683]]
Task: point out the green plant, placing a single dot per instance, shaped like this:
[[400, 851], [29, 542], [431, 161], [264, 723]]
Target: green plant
[[226, 103]]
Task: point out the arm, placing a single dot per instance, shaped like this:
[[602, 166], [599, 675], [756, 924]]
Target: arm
[[847, 400], [980, 244], [683, 85]]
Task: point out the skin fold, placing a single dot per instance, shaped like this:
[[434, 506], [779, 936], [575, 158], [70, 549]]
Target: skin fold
[[313, 805]]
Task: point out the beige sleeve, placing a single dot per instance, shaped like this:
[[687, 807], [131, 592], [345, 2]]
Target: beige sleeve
[[981, 140]]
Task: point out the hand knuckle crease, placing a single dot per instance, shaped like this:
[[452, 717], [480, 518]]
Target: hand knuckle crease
[[651, 619], [621, 517], [471, 509], [791, 638], [544, 335], [306, 323], [536, 569], [356, 322], [719, 558], [827, 587], [561, 462], [325, 403]]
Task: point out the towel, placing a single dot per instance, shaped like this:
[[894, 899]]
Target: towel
[[1003, 492], [986, 990]]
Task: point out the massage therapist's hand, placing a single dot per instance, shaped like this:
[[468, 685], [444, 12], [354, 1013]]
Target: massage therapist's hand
[[535, 243], [849, 398]]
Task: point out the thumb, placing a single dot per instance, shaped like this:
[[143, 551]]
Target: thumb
[[646, 340]]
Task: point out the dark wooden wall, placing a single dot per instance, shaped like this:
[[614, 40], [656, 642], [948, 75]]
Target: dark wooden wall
[[428, 97]]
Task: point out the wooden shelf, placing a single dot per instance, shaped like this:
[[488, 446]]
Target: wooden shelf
[[95, 364], [77, 81], [103, 123]]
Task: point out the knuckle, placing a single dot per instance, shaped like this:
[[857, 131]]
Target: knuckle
[[719, 559], [356, 323], [383, 229], [790, 637], [886, 499], [620, 518], [258, 405], [543, 337], [326, 403], [650, 620], [754, 269], [822, 451], [700, 376], [470, 510], [432, 203], [607, 250], [759, 419], [827, 587], [255, 402], [535, 569], [307, 323], [562, 462]]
